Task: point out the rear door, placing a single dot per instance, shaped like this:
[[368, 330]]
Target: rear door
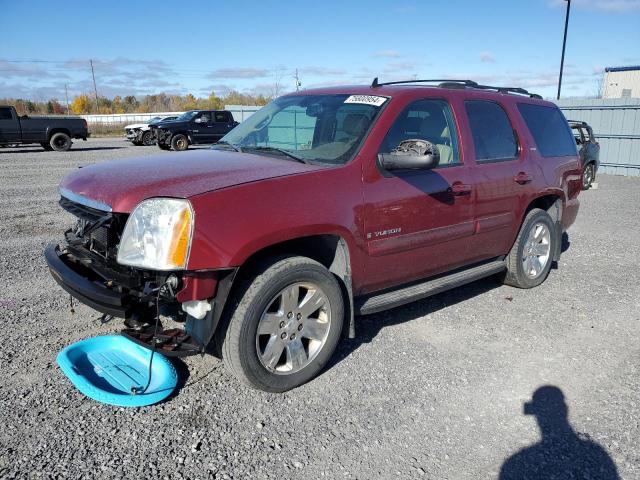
[[222, 124], [9, 129], [502, 175]]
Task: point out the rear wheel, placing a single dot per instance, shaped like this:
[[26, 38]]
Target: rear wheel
[[285, 326], [588, 176], [60, 142], [179, 142], [147, 138], [530, 258]]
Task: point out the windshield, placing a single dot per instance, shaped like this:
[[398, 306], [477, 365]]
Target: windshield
[[186, 116], [155, 119], [316, 128]]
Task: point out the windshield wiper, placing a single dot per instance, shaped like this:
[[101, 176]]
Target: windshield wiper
[[224, 143], [276, 150]]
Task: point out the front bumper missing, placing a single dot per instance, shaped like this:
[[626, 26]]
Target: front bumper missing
[[90, 286], [92, 292]]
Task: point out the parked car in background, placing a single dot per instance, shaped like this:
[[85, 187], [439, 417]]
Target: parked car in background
[[323, 205], [588, 149], [141, 133], [52, 133], [194, 127]]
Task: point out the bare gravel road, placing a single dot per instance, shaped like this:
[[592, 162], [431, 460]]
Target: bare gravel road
[[432, 390]]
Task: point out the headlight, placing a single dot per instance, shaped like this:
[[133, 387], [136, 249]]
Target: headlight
[[157, 235]]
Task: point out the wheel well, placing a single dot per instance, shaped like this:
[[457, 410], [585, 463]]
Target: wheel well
[[53, 131], [552, 204], [329, 250]]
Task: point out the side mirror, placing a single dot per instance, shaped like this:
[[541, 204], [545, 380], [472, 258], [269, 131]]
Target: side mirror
[[413, 155]]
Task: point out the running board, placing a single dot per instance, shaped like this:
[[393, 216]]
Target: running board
[[394, 298]]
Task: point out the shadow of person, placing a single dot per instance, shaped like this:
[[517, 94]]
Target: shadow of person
[[561, 453]]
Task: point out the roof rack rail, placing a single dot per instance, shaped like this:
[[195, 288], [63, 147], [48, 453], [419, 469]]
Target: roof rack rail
[[456, 83], [469, 83]]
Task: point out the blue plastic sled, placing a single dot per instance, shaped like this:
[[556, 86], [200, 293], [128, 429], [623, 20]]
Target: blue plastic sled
[[107, 368]]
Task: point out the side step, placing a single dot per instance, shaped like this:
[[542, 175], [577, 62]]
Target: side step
[[394, 298]]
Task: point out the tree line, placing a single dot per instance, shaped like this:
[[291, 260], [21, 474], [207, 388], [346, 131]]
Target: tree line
[[161, 102]]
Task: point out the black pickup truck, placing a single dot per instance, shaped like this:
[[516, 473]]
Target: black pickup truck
[[192, 128], [53, 133]]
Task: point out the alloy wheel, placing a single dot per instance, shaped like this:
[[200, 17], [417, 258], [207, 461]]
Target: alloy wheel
[[293, 328], [537, 250]]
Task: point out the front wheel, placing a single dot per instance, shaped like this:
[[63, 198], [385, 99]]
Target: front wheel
[[147, 138], [285, 326], [530, 258], [179, 142], [588, 176]]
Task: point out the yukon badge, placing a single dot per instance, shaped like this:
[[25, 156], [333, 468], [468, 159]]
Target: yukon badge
[[383, 233]]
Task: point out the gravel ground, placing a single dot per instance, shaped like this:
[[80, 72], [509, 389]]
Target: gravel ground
[[431, 390]]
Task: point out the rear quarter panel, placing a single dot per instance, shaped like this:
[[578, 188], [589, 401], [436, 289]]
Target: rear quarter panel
[[560, 176]]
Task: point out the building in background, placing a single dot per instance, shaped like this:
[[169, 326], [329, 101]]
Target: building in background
[[621, 82]]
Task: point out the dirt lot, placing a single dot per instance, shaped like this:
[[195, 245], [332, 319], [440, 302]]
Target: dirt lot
[[432, 390]]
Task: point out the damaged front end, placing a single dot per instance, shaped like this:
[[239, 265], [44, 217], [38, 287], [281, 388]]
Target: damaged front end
[[86, 266]]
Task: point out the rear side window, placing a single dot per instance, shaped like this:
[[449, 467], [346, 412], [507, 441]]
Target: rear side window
[[493, 136], [5, 114], [221, 117], [550, 130]]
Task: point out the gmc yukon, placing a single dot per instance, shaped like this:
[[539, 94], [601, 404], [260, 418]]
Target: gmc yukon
[[324, 205]]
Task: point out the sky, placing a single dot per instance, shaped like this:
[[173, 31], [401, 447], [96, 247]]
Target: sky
[[147, 47]]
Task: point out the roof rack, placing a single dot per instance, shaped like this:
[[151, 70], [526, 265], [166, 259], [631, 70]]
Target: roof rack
[[456, 83]]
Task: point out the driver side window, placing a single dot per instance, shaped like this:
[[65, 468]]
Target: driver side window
[[430, 120]]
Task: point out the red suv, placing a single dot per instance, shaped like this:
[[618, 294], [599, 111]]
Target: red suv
[[324, 205]]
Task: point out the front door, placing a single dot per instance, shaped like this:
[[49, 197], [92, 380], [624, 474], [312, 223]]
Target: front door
[[418, 223], [202, 128]]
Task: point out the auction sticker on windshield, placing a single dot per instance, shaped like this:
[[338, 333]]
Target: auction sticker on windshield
[[374, 100]]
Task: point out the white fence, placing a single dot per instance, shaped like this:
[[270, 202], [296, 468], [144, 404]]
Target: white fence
[[240, 114]]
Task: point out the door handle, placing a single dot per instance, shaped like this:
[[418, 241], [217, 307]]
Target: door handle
[[522, 178], [459, 188]]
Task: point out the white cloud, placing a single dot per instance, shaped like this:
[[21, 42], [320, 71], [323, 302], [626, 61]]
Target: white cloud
[[487, 57], [387, 54], [239, 72]]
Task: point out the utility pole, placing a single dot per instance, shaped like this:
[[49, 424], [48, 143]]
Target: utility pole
[[66, 96], [298, 84], [95, 89], [564, 44]]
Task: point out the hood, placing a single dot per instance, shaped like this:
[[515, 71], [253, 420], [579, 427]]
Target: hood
[[136, 125], [170, 123], [122, 184]]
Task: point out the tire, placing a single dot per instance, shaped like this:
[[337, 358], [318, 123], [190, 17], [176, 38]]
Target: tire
[[46, 146], [162, 146], [147, 138], [179, 142], [588, 176], [136, 143], [60, 142], [261, 300], [530, 258]]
